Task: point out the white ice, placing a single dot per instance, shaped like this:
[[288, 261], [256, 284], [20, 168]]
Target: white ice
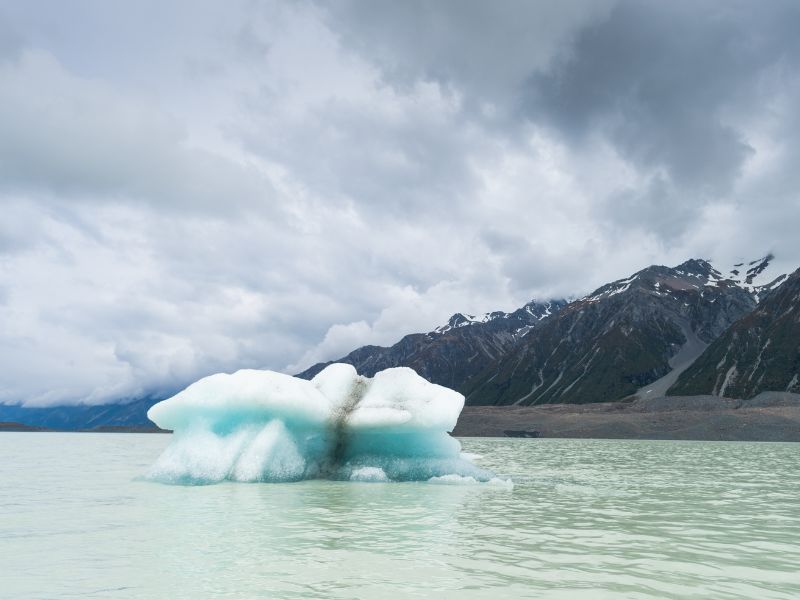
[[266, 426]]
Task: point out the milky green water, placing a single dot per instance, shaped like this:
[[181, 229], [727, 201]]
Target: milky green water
[[586, 519]]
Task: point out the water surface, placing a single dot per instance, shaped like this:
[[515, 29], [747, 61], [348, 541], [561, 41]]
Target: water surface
[[586, 519]]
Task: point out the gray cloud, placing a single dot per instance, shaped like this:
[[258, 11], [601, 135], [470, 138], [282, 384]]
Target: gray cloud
[[666, 84], [671, 86], [71, 137], [271, 184], [658, 78], [10, 40], [480, 51]]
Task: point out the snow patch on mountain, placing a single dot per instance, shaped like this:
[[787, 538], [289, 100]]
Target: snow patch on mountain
[[757, 277], [537, 310]]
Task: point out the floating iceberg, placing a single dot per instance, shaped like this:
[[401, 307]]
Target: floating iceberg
[[266, 426]]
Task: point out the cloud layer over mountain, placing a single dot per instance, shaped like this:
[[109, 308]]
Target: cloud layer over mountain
[[201, 186]]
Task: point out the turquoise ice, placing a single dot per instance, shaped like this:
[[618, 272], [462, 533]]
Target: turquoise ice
[[265, 426]]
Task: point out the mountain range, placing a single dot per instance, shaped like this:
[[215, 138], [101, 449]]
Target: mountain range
[[688, 330], [629, 338], [452, 353]]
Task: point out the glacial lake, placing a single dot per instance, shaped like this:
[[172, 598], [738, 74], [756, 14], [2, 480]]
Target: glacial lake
[[587, 519]]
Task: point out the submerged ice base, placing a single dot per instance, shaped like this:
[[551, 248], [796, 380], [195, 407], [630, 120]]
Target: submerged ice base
[[266, 426]]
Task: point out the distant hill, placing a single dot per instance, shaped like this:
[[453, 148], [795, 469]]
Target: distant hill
[[759, 352], [123, 414]]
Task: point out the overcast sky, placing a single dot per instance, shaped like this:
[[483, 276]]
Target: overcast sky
[[191, 187]]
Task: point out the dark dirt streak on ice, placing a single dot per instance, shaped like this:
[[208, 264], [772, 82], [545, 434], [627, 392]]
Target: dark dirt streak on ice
[[339, 427]]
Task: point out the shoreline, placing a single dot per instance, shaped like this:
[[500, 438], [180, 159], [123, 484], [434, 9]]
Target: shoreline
[[773, 418], [15, 427]]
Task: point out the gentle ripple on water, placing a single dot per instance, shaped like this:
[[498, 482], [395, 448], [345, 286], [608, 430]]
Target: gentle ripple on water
[[587, 519]]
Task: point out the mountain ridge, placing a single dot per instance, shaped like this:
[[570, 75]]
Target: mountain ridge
[[612, 342], [450, 353], [642, 332]]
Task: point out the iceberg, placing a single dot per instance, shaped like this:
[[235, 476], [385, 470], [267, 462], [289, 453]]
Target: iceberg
[[263, 426]]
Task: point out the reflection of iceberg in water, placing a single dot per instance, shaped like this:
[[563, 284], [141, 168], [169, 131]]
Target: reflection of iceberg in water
[[266, 426]]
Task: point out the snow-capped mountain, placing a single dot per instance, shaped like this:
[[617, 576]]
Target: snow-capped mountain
[[760, 352], [453, 352], [757, 277], [527, 316], [630, 337]]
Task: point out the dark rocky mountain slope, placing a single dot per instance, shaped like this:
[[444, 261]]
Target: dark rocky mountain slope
[[454, 352], [760, 352], [622, 339]]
